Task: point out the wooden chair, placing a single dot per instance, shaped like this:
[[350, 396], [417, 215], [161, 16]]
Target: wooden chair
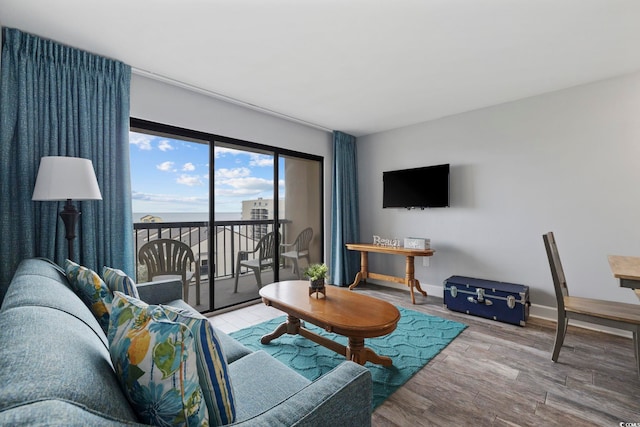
[[606, 313], [168, 258], [266, 251], [300, 249]]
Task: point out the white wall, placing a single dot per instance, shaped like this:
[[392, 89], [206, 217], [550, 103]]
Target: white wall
[[171, 105], [567, 162]]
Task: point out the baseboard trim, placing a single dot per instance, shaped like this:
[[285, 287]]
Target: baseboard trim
[[537, 311]]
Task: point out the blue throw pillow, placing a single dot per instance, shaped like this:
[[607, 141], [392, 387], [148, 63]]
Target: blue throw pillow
[[117, 280]]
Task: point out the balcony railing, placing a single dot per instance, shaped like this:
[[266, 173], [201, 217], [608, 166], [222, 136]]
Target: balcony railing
[[229, 237]]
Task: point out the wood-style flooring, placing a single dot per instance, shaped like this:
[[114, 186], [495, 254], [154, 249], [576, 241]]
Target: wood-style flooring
[[496, 374]]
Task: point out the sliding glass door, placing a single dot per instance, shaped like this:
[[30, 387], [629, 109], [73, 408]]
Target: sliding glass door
[[251, 214]]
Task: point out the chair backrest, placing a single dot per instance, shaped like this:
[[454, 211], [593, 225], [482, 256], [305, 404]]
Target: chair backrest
[[267, 246], [304, 239], [166, 256], [557, 273]]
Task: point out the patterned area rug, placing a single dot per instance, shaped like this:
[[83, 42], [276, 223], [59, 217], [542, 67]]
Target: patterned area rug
[[417, 339]]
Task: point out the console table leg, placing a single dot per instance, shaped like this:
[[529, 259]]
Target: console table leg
[[362, 274], [417, 283]]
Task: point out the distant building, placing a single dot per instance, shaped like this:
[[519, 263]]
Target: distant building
[[259, 209], [150, 218]]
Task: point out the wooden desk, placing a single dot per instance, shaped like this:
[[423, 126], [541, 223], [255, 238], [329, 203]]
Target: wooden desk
[[627, 270], [409, 277]]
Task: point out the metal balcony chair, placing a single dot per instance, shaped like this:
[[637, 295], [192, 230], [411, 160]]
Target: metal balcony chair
[[168, 259], [298, 249], [265, 249], [606, 313]]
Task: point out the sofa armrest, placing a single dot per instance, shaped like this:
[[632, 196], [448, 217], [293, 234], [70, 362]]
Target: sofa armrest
[[161, 291], [340, 397]]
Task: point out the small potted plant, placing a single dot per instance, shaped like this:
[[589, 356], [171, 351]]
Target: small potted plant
[[317, 273]]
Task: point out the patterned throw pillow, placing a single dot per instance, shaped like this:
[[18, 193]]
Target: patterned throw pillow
[[117, 280], [156, 364], [92, 290], [212, 366], [140, 338]]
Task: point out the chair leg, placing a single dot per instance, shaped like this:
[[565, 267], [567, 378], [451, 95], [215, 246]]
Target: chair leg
[[185, 290], [296, 268], [237, 274], [561, 330], [257, 272]]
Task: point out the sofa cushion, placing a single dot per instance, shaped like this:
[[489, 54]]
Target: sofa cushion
[[48, 354], [92, 290], [44, 284], [261, 382], [231, 348], [156, 363], [117, 280]]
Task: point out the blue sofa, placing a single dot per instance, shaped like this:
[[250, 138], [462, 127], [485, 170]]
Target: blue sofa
[[55, 367]]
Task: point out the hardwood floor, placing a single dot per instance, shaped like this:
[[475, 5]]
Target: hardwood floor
[[496, 374]]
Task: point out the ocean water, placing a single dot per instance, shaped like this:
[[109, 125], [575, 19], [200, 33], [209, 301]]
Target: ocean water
[[188, 216]]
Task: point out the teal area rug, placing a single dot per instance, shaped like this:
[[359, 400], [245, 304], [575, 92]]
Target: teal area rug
[[417, 339]]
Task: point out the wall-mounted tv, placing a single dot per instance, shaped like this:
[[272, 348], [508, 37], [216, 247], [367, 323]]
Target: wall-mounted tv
[[426, 187]]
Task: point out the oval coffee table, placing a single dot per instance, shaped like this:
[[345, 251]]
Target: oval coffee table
[[340, 311]]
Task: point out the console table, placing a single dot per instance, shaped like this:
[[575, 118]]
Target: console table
[[409, 277]]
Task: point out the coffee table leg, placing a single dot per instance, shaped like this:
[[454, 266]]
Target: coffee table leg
[[357, 352], [291, 326]]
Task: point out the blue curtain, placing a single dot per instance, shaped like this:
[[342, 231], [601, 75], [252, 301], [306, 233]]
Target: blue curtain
[[345, 216], [60, 101]]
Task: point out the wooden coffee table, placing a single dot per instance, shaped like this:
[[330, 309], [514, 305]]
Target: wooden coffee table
[[341, 311]]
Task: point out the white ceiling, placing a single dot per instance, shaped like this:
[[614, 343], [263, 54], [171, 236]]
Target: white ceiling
[[360, 66]]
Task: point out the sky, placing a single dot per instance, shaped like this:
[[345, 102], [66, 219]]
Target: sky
[[172, 175]]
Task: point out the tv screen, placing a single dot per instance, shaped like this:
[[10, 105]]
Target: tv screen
[[426, 187]]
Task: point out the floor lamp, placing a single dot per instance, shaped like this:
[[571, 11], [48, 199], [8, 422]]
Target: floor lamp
[[66, 179]]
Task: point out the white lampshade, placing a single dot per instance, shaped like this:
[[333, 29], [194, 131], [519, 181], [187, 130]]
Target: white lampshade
[[63, 178]]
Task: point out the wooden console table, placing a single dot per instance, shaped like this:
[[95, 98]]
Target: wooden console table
[[409, 278]]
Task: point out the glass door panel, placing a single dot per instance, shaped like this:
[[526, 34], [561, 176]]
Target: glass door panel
[[170, 201], [244, 233], [301, 216]]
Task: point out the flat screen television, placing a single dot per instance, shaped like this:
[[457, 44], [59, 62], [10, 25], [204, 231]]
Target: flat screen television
[[426, 187]]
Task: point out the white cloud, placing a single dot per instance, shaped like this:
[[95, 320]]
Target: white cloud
[[231, 173], [190, 180], [166, 167], [188, 167], [165, 145], [142, 141], [248, 186], [260, 160], [221, 151], [168, 198]]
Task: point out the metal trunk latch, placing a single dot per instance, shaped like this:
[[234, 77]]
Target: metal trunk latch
[[454, 291], [511, 301], [480, 298]]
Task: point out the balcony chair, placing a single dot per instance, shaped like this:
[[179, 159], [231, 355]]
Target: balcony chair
[[266, 258], [300, 249], [167, 259], [606, 313]]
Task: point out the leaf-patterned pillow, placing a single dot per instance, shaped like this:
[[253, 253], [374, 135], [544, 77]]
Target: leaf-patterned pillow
[[117, 280], [212, 366], [156, 363], [92, 290]]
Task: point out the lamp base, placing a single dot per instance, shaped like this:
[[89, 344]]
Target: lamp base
[[70, 216]]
